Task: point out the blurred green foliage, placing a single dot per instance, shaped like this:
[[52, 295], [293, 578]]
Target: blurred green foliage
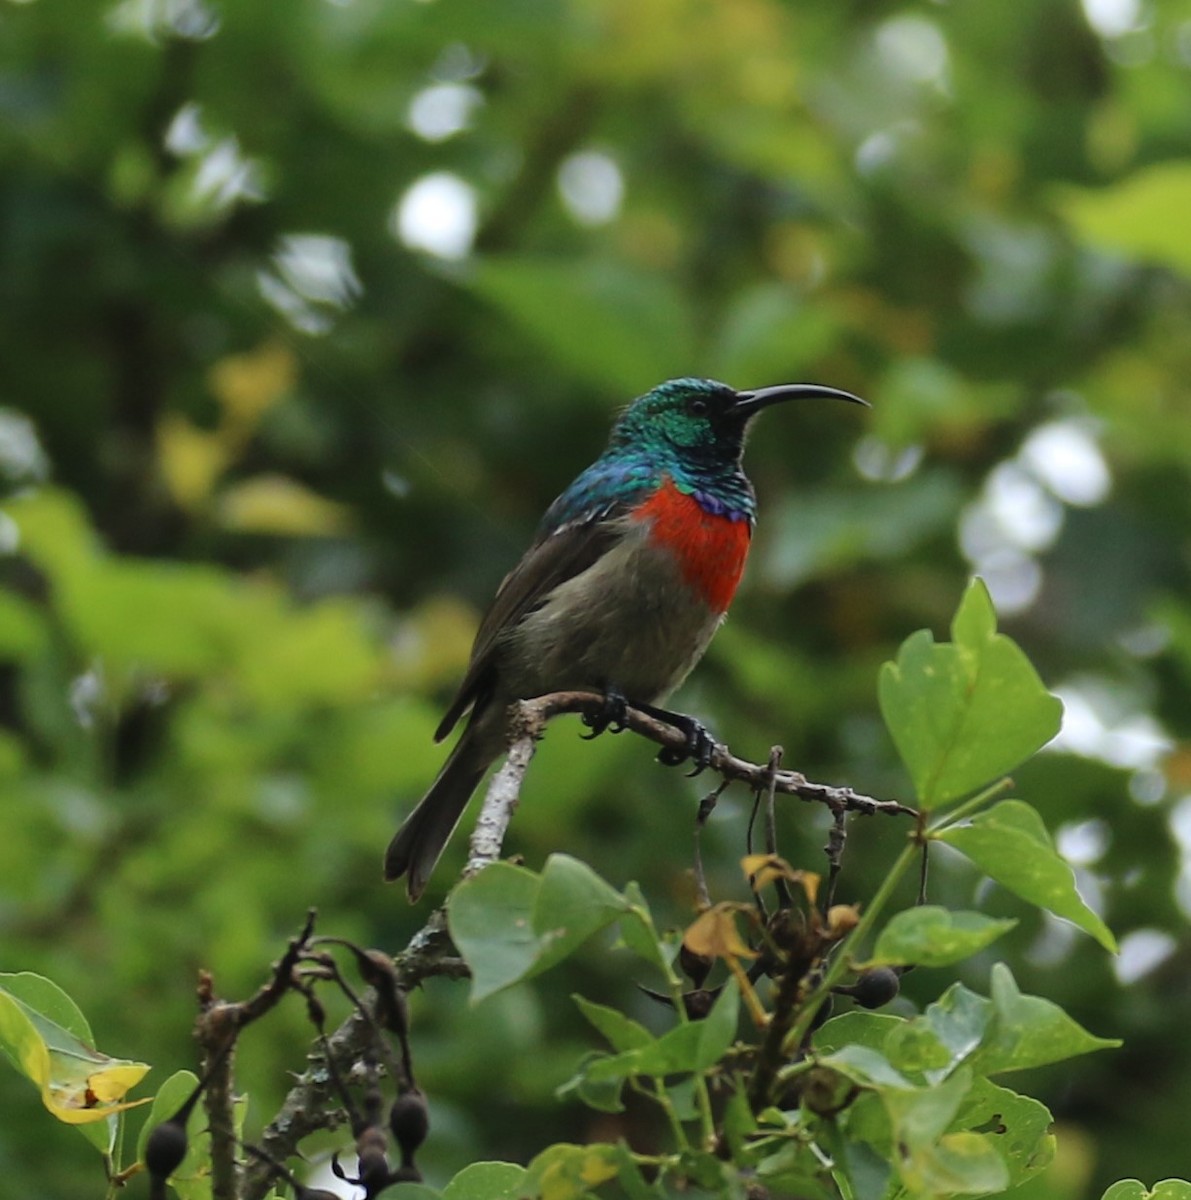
[[310, 309]]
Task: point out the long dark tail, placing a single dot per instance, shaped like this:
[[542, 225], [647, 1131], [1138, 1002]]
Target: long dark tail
[[420, 841]]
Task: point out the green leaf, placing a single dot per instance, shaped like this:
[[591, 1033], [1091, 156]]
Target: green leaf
[[409, 1191], [639, 933], [709, 1172], [691, 1046], [867, 1067], [930, 1161], [936, 937], [565, 1171], [1142, 215], [957, 1164], [683, 1097], [572, 903], [1018, 1127], [631, 1179], [793, 1170], [45, 997], [717, 1031], [485, 1181], [1134, 1189], [622, 1033], [963, 713], [490, 919], [40, 1028], [739, 1123], [920, 1115], [855, 1028], [598, 1091], [1010, 844], [1028, 1031], [955, 1024], [24, 633], [511, 924]]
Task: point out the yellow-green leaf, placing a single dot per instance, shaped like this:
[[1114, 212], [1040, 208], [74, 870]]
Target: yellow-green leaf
[[78, 1084]]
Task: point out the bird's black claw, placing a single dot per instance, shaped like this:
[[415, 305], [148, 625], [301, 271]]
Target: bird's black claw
[[612, 716], [699, 745]]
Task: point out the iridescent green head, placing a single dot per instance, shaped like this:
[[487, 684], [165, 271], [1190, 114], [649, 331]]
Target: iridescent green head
[[704, 418]]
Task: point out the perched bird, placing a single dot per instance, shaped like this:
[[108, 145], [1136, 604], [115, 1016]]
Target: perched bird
[[630, 575]]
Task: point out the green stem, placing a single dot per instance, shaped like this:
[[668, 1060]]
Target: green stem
[[657, 1093], [703, 1103], [841, 963], [794, 1069], [839, 1169], [969, 806], [702, 1096]]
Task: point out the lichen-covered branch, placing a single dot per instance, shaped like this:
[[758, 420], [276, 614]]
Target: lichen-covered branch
[[312, 1103]]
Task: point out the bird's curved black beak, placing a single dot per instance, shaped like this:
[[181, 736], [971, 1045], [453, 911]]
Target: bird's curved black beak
[[748, 403]]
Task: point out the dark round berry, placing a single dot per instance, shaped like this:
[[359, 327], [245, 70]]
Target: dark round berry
[[165, 1149], [875, 987], [372, 1169], [410, 1121]]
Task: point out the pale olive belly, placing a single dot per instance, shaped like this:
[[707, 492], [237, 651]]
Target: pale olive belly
[[629, 622]]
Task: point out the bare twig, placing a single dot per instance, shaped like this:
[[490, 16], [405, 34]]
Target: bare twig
[[311, 1103], [836, 840], [216, 1030], [706, 808], [217, 1027]]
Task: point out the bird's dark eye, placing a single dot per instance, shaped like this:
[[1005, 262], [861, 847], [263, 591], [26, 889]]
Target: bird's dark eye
[[699, 405]]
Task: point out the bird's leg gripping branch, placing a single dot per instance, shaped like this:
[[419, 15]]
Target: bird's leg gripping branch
[[672, 732]]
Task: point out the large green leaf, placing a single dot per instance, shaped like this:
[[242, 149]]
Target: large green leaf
[[491, 921], [936, 937], [1008, 1032], [1029, 1031], [855, 1028], [1009, 843], [511, 924], [1017, 1126], [572, 903], [965, 712]]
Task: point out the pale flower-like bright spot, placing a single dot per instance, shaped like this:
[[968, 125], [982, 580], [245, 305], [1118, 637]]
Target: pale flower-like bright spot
[[437, 214]]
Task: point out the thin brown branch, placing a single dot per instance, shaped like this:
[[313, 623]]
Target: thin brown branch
[[216, 1030], [529, 717]]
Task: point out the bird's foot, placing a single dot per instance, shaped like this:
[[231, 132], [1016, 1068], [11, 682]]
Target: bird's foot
[[612, 716], [699, 743]]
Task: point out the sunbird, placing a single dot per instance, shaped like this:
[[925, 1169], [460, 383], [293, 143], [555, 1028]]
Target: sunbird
[[631, 573]]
